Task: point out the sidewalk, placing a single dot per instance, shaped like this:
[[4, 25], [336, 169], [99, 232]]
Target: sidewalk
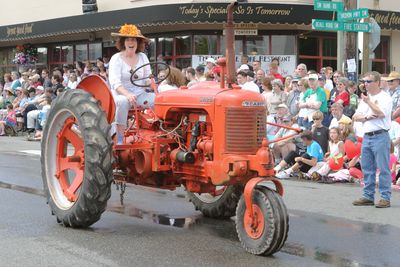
[[325, 199]]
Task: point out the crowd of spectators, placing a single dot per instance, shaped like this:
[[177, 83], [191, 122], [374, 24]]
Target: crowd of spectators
[[323, 104], [25, 98]]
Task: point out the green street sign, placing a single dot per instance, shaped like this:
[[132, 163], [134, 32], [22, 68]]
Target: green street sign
[[356, 27], [331, 25], [352, 14], [328, 6], [327, 25]]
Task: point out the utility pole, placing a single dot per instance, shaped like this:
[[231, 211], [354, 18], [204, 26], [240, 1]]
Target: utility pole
[[350, 38], [366, 64], [340, 48]]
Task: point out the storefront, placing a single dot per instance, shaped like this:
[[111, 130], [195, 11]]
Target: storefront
[[180, 31]]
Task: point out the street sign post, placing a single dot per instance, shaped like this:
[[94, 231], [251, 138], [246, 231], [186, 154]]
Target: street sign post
[[356, 27], [328, 6], [327, 25], [353, 14], [331, 25]]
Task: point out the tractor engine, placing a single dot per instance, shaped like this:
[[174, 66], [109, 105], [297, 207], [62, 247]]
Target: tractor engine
[[202, 137]]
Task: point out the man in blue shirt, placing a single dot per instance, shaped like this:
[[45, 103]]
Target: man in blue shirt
[[303, 162]]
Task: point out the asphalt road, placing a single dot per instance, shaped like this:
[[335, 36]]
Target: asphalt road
[[160, 228]]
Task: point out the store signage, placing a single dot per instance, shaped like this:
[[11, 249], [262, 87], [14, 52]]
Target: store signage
[[330, 25], [353, 14], [19, 30], [244, 32], [328, 6], [287, 63]]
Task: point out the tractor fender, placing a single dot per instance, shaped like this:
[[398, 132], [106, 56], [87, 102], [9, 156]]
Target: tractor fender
[[96, 86]]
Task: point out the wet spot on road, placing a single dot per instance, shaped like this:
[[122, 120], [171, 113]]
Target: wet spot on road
[[25, 189]]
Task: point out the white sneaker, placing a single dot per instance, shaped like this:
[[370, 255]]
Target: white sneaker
[[283, 175]]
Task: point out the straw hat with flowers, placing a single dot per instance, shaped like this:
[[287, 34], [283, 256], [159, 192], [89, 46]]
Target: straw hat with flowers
[[129, 30]]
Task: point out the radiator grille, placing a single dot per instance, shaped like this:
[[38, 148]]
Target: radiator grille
[[245, 130]]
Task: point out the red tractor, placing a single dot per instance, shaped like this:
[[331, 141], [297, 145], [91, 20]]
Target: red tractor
[[210, 139]]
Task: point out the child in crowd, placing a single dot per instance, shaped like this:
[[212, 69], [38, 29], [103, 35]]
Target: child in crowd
[[336, 151], [41, 119], [10, 120], [320, 132]]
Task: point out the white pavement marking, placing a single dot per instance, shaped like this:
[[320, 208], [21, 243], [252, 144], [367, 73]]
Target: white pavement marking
[[31, 152]]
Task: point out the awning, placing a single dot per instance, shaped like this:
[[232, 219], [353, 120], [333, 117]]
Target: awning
[[157, 15]]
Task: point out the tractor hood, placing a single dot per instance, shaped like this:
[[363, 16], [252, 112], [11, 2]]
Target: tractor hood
[[205, 95]]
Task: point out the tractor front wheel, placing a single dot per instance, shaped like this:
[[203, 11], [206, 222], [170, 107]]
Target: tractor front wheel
[[221, 204], [265, 231], [77, 159]]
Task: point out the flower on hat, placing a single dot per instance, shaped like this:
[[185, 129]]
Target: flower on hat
[[129, 29]]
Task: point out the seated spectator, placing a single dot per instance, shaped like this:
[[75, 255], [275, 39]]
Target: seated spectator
[[174, 80], [293, 98], [305, 163], [278, 96], [72, 81], [337, 114], [320, 132], [191, 77], [200, 73], [303, 111], [336, 151], [245, 80], [41, 118], [315, 99], [288, 84], [281, 112], [10, 120], [9, 99], [342, 95], [282, 148]]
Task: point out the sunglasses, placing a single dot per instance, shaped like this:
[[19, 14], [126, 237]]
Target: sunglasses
[[368, 81]]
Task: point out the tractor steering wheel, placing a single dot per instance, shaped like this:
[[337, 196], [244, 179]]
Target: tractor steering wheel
[[135, 78]]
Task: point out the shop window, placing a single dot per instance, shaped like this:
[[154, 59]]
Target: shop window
[[56, 54], [94, 51], [257, 45], [150, 50], [165, 46], [283, 45], [42, 55], [205, 45], [329, 47], [67, 54], [183, 45], [317, 52], [81, 52], [238, 45]]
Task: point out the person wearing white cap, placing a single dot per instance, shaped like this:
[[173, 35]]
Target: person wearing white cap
[[314, 99], [277, 118], [245, 81], [210, 64]]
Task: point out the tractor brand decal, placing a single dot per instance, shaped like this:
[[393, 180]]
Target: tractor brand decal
[[252, 104], [206, 99]]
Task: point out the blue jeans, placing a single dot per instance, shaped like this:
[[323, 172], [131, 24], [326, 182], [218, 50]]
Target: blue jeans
[[375, 154]]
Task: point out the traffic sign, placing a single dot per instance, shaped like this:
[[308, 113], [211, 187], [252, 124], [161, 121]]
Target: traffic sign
[[356, 27], [327, 25], [353, 14], [328, 6], [331, 25]]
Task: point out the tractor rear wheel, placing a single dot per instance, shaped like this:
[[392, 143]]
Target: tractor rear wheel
[[77, 159], [222, 204], [267, 233]]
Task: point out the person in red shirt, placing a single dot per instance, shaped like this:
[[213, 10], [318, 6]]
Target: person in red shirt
[[273, 70], [343, 96]]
